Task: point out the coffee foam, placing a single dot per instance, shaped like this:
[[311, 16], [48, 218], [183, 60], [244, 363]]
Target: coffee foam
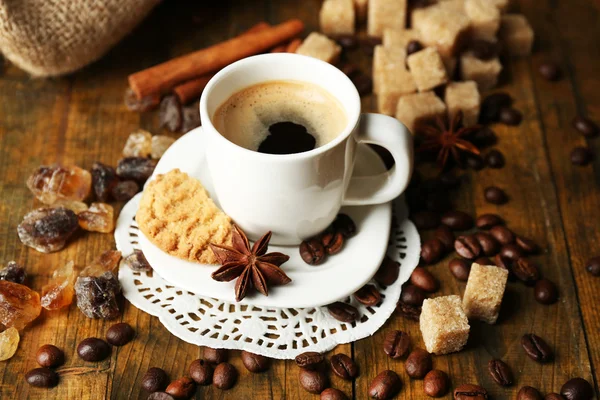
[[246, 116]]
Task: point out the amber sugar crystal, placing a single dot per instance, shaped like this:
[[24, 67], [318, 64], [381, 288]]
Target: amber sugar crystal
[[58, 293], [98, 218], [56, 182], [19, 305]]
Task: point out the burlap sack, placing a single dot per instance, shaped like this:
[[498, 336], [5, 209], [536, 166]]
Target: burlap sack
[[55, 37]]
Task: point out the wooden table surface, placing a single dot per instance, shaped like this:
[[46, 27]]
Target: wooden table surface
[[81, 118]]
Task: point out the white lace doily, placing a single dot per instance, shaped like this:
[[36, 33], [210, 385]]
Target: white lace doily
[[279, 333]]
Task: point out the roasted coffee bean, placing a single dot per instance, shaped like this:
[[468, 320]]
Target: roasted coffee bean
[[529, 393], [368, 44], [457, 220], [396, 344], [553, 396], [333, 394], [593, 266], [483, 261], [510, 116], [495, 195], [201, 371], [432, 250], [363, 83], [182, 388], [424, 280], [418, 363], [527, 245], [215, 356], [155, 380], [408, 311], [332, 242], [525, 271], [502, 234], [435, 383], [120, 334], [445, 235], [536, 348], [224, 376], [50, 356], [494, 159], [470, 392], [312, 251], [425, 220], [545, 291], [160, 396], [343, 366], [484, 137], [255, 362], [585, 126], [474, 161], [93, 349], [500, 372], [491, 106], [460, 268], [503, 263], [309, 360], [42, 377], [347, 41], [413, 46], [313, 380], [412, 295], [467, 247], [385, 385], [489, 245], [488, 221], [388, 272], [344, 224], [343, 312], [483, 49], [550, 71], [368, 295], [581, 155], [511, 252], [577, 389]]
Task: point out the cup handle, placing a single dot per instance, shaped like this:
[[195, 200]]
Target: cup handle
[[391, 134]]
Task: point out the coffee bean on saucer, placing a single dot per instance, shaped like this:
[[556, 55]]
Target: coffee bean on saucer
[[344, 224], [529, 393], [500, 372], [93, 349], [385, 385], [593, 266], [388, 272], [50, 356], [413, 46], [460, 268], [581, 155], [343, 312], [309, 360], [160, 396], [536, 348], [510, 116], [495, 195], [120, 334], [474, 161], [494, 159], [412, 295], [527, 245], [396, 344], [255, 362], [502, 234], [224, 376], [408, 310], [577, 389], [368, 295], [425, 220], [418, 363], [333, 394], [343, 366], [432, 250], [445, 235], [216, 356], [424, 280], [201, 371], [332, 242], [545, 291], [182, 388], [488, 221], [156, 379], [489, 245], [435, 383], [550, 71], [467, 247], [525, 271], [312, 251], [313, 380], [586, 126], [511, 252], [42, 377], [457, 220]]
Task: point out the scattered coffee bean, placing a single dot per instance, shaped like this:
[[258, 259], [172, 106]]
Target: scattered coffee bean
[[202, 372], [309, 360], [503, 263], [467, 247], [495, 195], [445, 235], [483, 49], [396, 344], [510, 116], [483, 261], [182, 388], [312, 251], [545, 291], [536, 348], [408, 311], [413, 46], [42, 377], [593, 266], [385, 385], [470, 392], [120, 334], [488, 221], [368, 295], [494, 159], [425, 220], [160, 396], [363, 83], [412, 295], [585, 126], [484, 137], [344, 224], [343, 312], [424, 280], [155, 379], [388, 272], [474, 161], [491, 106], [529, 393], [224, 376], [435, 383], [333, 394], [527, 245], [526, 271], [502, 234], [255, 362], [313, 380], [511, 252], [50, 356], [332, 242], [418, 363], [343, 366], [460, 268], [93, 349], [550, 71], [553, 396], [577, 389], [215, 356], [432, 250], [457, 220], [581, 155], [347, 41], [500, 372], [489, 245]]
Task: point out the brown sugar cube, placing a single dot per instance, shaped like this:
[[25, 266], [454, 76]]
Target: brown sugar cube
[[321, 47], [427, 69], [483, 72], [444, 325], [385, 14], [485, 18], [516, 35], [501, 5], [484, 292], [399, 37], [453, 5], [361, 7], [337, 17], [417, 108], [463, 97], [450, 64], [392, 86], [387, 58]]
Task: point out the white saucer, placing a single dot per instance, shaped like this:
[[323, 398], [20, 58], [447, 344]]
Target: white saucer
[[311, 286]]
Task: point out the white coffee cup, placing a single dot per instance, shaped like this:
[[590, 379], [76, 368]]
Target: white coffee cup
[[297, 196]]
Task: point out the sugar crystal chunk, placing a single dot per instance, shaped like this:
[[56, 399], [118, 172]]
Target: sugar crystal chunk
[[125, 190], [337, 17], [98, 218], [19, 305], [160, 144], [190, 117], [136, 168], [170, 113], [444, 325], [385, 14], [399, 38], [427, 69], [107, 261], [104, 178], [417, 108], [9, 342], [441, 26], [139, 144], [75, 206], [98, 289], [59, 291], [52, 183], [484, 292], [137, 261], [13, 272], [47, 229], [321, 47], [463, 97], [485, 18]]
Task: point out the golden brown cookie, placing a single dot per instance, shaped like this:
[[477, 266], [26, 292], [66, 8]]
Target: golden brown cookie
[[177, 215]]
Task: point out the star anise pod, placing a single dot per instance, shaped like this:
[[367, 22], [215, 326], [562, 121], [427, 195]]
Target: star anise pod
[[447, 139], [251, 265]]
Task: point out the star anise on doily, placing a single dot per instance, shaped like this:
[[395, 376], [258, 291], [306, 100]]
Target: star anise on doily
[[447, 139], [251, 265]]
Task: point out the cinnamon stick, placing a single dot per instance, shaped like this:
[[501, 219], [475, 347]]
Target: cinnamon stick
[[293, 46], [162, 77], [279, 49]]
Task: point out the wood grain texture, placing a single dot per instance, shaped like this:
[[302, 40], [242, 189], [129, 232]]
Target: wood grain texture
[[81, 118]]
